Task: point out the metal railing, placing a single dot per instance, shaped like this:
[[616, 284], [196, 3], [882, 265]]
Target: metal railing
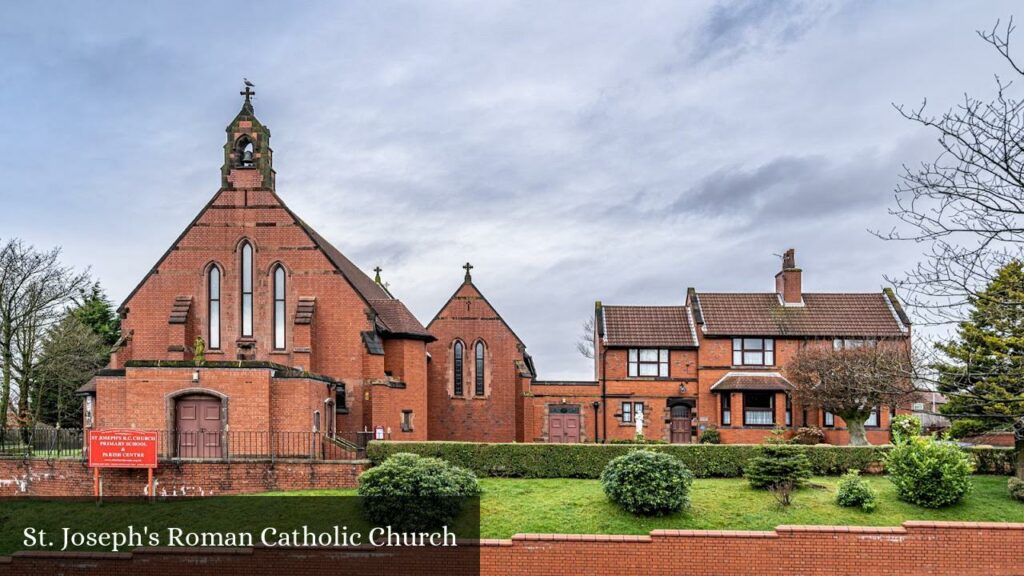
[[49, 443], [42, 443]]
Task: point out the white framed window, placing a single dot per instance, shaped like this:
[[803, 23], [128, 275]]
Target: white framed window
[[648, 363], [630, 410], [279, 307], [873, 419], [727, 409], [830, 419], [246, 289], [213, 308], [758, 408], [753, 352]]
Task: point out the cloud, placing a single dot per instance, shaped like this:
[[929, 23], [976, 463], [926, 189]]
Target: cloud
[[573, 151]]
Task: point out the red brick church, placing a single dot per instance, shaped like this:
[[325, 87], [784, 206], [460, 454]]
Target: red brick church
[[252, 327]]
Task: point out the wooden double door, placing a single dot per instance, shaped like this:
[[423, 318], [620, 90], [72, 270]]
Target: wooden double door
[[199, 425], [564, 424]]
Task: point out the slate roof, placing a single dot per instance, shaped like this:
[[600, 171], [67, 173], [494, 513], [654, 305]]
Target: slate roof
[[822, 315], [751, 381], [670, 326]]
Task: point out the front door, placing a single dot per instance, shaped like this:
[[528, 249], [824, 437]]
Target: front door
[[198, 427], [564, 424], [681, 424]]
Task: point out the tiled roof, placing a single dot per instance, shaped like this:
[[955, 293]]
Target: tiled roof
[[751, 381], [395, 318], [648, 326], [823, 315]]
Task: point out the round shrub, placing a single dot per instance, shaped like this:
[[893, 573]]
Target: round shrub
[[809, 435], [778, 465], [967, 427], [855, 492], [414, 493], [711, 436], [929, 473], [905, 427], [647, 483], [1016, 487]]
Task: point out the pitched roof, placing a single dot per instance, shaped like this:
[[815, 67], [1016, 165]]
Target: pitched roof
[[751, 381], [823, 315], [394, 318], [648, 326]]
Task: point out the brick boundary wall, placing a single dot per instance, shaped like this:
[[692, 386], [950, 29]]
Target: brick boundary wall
[[75, 478], [915, 548]]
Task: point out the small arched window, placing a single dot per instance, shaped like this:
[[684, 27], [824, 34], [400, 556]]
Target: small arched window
[[246, 289], [213, 308], [457, 369], [479, 376], [244, 150], [279, 307]]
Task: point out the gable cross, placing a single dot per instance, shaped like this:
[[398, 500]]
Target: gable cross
[[468, 267]]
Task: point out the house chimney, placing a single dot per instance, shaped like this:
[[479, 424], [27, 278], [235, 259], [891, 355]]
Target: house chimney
[[788, 283]]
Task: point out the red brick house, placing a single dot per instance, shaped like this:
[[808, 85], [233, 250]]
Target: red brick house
[[252, 329]]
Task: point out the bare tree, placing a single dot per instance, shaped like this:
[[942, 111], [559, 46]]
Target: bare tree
[[585, 342], [853, 382], [35, 289], [70, 355], [966, 206]]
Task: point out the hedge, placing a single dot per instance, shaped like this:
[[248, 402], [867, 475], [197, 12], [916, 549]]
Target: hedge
[[704, 460]]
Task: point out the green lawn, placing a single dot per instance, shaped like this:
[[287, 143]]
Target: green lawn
[[579, 507], [511, 506]]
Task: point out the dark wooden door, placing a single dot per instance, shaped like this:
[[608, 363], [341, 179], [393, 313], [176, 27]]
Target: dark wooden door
[[564, 425], [198, 427], [681, 424]]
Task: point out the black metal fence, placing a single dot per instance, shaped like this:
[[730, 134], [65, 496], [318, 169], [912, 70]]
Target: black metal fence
[[48, 443], [42, 442]]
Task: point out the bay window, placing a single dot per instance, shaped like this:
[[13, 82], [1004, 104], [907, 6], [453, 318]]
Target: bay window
[[758, 408]]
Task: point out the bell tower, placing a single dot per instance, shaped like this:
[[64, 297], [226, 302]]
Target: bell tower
[[247, 155]]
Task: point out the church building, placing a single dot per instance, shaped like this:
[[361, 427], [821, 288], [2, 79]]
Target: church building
[[252, 335]]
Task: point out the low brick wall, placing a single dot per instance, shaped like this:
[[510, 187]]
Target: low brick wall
[[74, 478], [916, 548]]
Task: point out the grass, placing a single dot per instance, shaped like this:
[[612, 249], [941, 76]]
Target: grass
[[511, 506]]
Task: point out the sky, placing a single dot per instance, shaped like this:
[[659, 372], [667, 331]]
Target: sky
[[572, 151]]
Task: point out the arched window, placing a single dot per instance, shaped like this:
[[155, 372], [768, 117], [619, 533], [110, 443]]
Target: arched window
[[246, 289], [457, 369], [213, 308], [479, 376], [279, 308]]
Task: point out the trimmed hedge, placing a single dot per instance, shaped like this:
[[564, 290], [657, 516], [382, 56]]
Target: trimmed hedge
[[704, 460]]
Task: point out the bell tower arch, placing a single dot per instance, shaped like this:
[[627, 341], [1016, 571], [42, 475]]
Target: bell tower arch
[[248, 159]]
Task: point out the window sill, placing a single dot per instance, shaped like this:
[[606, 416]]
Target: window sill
[[407, 431], [278, 352]]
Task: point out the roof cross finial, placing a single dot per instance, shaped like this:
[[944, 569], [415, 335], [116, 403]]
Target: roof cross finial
[[468, 267], [378, 270], [248, 93]]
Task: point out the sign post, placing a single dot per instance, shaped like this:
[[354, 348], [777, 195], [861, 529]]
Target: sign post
[[122, 449]]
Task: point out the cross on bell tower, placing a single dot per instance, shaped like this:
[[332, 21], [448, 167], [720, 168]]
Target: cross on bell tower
[[247, 155], [468, 267]]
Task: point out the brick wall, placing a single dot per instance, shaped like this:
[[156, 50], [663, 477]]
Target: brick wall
[[75, 478], [468, 317], [916, 548]]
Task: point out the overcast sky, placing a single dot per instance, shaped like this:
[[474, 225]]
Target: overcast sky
[[572, 152]]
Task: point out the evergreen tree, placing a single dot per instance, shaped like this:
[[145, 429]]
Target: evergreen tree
[[95, 311], [984, 375]]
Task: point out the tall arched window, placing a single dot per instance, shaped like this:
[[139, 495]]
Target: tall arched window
[[279, 308], [213, 308], [246, 289], [479, 376], [458, 389]]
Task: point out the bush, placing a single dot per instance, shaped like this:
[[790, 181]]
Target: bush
[[854, 492], [905, 427], [711, 436], [1016, 487], [777, 464], [929, 473], [647, 483], [413, 493], [809, 435], [967, 427], [588, 460]]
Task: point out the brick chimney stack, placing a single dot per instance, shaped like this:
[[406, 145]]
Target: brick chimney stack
[[788, 282]]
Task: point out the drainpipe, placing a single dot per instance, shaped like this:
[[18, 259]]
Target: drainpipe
[[604, 392]]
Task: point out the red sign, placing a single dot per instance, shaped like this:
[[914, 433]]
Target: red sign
[[122, 449]]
